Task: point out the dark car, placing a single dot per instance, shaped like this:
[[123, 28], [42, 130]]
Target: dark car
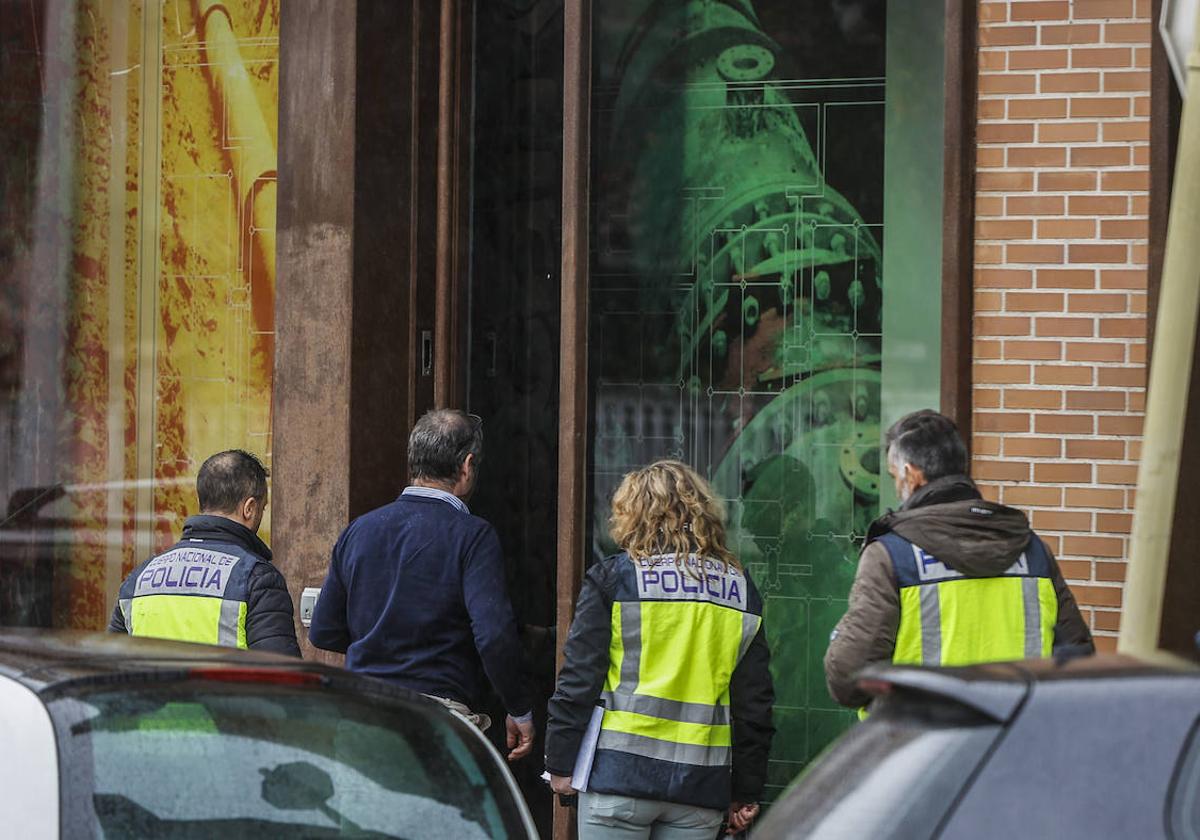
[[1096, 747], [118, 737]]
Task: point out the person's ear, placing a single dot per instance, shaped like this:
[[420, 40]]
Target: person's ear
[[468, 465], [249, 508]]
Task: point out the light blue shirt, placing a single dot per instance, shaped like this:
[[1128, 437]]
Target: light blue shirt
[[435, 493]]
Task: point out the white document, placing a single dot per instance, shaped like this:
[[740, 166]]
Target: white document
[[587, 750]]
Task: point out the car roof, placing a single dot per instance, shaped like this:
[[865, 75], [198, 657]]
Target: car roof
[[41, 659]]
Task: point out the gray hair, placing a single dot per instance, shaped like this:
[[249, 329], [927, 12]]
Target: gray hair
[[440, 441], [929, 441]]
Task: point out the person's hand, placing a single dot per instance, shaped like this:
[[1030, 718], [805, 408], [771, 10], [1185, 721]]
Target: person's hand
[[561, 785], [520, 737], [740, 816]]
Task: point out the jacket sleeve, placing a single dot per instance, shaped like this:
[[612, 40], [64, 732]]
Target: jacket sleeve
[[116, 624], [867, 632], [328, 629], [270, 621], [1070, 631], [585, 664], [751, 698], [492, 623]]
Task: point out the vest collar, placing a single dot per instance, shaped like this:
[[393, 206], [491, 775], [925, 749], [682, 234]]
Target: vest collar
[[221, 529]]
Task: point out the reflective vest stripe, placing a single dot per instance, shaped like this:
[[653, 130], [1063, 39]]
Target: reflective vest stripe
[[680, 753], [1033, 617], [678, 710], [127, 612], [699, 734], [631, 644], [750, 625], [231, 629], [931, 624]]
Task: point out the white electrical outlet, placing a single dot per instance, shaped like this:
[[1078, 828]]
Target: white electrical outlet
[[308, 602]]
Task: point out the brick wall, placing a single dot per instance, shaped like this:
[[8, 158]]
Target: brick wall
[[1060, 277]]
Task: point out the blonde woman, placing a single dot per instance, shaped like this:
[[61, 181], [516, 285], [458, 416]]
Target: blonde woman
[[668, 638]]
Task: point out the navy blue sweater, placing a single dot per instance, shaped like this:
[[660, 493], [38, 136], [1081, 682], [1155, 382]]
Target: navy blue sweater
[[415, 594]]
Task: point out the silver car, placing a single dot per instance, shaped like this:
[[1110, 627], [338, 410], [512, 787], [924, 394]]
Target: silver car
[[116, 737]]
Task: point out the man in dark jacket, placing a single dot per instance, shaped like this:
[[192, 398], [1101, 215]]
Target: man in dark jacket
[[948, 578], [217, 585], [416, 594]]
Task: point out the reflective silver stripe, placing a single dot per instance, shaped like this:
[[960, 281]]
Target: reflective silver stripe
[[1033, 617], [677, 710], [227, 630], [127, 612], [663, 750], [631, 643], [931, 626], [750, 624]]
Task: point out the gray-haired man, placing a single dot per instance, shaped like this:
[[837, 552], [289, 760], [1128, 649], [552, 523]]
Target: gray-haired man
[[948, 579]]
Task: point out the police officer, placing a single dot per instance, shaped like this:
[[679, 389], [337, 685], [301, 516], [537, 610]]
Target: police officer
[[948, 579], [217, 585], [668, 638]]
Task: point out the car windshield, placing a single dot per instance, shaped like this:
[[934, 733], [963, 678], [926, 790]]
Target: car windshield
[[202, 758], [894, 776]]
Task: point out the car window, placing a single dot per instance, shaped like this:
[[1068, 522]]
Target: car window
[[895, 775], [205, 758], [1184, 808]]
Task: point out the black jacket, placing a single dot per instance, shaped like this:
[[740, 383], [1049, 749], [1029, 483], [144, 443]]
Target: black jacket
[[270, 623], [586, 663]]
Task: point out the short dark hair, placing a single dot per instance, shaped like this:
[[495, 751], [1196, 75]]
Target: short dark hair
[[441, 440], [229, 478], [927, 440]]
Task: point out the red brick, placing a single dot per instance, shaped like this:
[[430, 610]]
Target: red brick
[[985, 398], [1098, 596], [992, 60], [1127, 132], [1139, 205], [1034, 301], [1102, 9], [1137, 353], [1034, 156], [1039, 10], [1088, 82], [1094, 497], [1099, 106], [1063, 424], [1114, 523], [1064, 328], [1033, 447], [1122, 327], [1109, 620], [999, 470], [1062, 473], [1066, 229], [1141, 155], [1066, 181], [988, 156], [1037, 399], [1120, 426], [1003, 229], [992, 325], [1098, 205], [995, 421], [986, 349], [1034, 254], [989, 206], [1123, 278], [1064, 375], [1080, 570], [1121, 377], [1072, 132], [990, 109], [1084, 351], [1105, 644], [989, 302], [1061, 520], [1004, 133], [1141, 106], [1038, 59], [1098, 155], [1035, 205], [1111, 571], [1106, 253], [1075, 33], [1096, 303], [1007, 36], [1137, 402], [996, 83], [1000, 374], [1125, 81], [1101, 57], [1032, 496], [1042, 108], [1033, 350], [1117, 474], [1096, 450], [1128, 33], [985, 444], [1124, 229], [1138, 181], [1141, 57], [1004, 181], [1094, 546], [1066, 278], [1003, 278], [1096, 400]]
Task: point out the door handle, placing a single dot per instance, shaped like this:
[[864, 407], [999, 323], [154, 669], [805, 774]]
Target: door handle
[[426, 352]]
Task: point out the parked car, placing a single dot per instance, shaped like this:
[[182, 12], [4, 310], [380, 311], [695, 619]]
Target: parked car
[[118, 737], [1094, 747]]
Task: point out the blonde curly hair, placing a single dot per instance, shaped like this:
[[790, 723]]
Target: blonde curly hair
[[667, 508]]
